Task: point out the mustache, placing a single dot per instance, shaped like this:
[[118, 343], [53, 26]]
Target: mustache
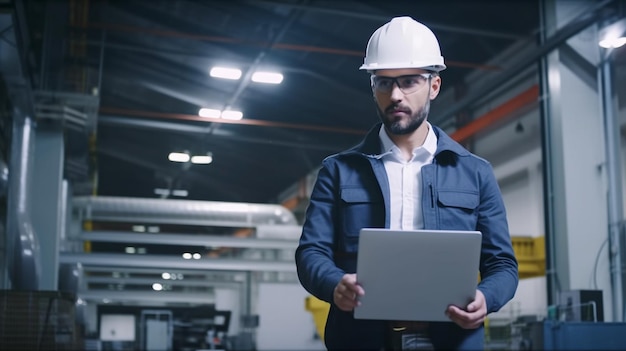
[[397, 107]]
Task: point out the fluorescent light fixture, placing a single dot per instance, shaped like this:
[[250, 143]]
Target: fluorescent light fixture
[[226, 114], [167, 192], [267, 77], [178, 157], [130, 250], [140, 228], [187, 256], [202, 159], [180, 192], [226, 73], [196, 256], [232, 115], [157, 287], [166, 275], [161, 191], [613, 35], [209, 113], [613, 43]]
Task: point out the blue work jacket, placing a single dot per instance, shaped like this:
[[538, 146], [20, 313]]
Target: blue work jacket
[[352, 192]]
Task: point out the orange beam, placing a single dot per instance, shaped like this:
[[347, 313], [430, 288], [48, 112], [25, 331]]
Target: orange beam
[[245, 121], [497, 114]]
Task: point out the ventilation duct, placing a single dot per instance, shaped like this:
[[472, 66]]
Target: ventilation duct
[[22, 246], [174, 211]]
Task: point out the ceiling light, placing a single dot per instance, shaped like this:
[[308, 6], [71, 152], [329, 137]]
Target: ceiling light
[[209, 113], [226, 114], [139, 228], [187, 256], [157, 287], [166, 275], [161, 191], [178, 157], [180, 192], [613, 42], [167, 192], [226, 73], [267, 77], [130, 250], [202, 159], [613, 35], [232, 115]]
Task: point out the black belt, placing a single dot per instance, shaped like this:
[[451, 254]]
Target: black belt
[[407, 335], [408, 326]]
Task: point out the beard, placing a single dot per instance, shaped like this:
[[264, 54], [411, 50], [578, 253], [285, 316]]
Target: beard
[[399, 126]]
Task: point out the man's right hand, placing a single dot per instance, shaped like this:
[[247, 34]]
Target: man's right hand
[[346, 293]]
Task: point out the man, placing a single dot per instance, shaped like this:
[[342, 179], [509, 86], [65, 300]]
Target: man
[[405, 174]]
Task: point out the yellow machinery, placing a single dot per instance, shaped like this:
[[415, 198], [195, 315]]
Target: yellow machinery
[[531, 256], [319, 309], [529, 251]]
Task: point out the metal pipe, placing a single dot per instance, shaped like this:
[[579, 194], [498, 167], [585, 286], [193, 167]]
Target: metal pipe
[[149, 282], [188, 239], [615, 200], [147, 296], [552, 282], [182, 211], [161, 261]]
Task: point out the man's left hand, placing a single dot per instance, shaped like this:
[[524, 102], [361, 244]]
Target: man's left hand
[[474, 314]]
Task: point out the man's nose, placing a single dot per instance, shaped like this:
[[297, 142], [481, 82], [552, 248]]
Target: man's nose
[[396, 93]]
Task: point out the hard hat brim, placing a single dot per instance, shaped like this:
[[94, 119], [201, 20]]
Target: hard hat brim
[[427, 67]]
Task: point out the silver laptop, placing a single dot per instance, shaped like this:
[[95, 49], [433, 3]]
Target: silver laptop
[[414, 275]]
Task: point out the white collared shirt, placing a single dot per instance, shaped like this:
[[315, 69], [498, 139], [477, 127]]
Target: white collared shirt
[[405, 179]]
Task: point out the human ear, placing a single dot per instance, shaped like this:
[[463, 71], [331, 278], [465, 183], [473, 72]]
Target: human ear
[[435, 86]]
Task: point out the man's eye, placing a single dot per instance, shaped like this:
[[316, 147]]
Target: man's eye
[[409, 81], [384, 83]]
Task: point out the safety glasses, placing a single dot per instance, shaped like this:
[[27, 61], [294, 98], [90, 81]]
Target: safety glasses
[[408, 84]]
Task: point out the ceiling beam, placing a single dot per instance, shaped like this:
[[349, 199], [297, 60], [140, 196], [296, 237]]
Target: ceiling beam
[[503, 79], [113, 120], [385, 18]]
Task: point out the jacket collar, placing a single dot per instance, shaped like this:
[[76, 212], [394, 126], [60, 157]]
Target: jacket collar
[[371, 145]]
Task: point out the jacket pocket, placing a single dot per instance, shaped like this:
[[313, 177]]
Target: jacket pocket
[[360, 208], [457, 209]]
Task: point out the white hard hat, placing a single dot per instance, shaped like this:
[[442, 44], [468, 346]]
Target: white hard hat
[[403, 43]]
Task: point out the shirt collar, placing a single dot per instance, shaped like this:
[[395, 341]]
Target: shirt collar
[[388, 146]]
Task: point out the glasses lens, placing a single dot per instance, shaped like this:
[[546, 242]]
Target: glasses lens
[[383, 84], [408, 84]]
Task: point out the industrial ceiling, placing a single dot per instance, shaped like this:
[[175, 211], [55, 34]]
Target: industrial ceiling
[[147, 64]]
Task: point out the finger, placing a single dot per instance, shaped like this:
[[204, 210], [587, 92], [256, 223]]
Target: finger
[[352, 290]]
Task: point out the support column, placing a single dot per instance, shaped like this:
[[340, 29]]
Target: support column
[[574, 158], [47, 198]]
